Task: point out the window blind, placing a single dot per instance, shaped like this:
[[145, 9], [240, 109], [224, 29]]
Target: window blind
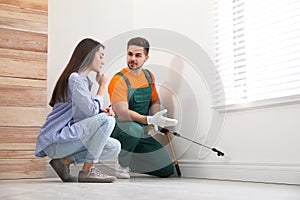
[[257, 50]]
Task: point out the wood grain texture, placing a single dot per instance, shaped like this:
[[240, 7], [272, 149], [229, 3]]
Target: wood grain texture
[[23, 25], [21, 40], [18, 134], [23, 55], [14, 12], [23, 82], [23, 64], [22, 96], [41, 5], [23, 85], [22, 116], [17, 146], [22, 168], [14, 154]]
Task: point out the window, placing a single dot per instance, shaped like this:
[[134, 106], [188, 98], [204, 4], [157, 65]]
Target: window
[[257, 51]]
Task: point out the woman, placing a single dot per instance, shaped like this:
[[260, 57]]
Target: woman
[[78, 129]]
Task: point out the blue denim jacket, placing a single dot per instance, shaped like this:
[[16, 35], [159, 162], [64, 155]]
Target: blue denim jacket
[[60, 123]]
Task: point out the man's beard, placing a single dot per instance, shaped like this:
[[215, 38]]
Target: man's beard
[[134, 67]]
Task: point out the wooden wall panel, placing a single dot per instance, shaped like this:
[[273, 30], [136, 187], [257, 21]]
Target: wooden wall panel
[[22, 40], [14, 154], [23, 86], [22, 96], [23, 25], [17, 134], [22, 116], [17, 146], [22, 168], [24, 56], [28, 14], [23, 82], [23, 64], [40, 5]]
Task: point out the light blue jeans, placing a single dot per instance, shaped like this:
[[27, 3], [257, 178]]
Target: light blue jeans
[[92, 147]]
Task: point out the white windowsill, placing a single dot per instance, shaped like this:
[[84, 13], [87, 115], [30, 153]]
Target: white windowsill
[[281, 101]]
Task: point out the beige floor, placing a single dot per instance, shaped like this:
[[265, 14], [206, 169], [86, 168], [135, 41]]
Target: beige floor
[[146, 188]]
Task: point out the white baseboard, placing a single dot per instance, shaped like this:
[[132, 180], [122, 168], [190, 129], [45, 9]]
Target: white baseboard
[[286, 173]]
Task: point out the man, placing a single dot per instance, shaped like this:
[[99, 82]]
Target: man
[[133, 96]]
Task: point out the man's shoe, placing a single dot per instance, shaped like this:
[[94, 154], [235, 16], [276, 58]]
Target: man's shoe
[[63, 171], [95, 176], [121, 172]]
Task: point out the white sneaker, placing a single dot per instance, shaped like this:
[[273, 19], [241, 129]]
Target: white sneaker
[[121, 172]]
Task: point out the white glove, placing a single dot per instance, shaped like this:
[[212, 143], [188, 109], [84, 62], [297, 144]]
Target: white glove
[[159, 120]]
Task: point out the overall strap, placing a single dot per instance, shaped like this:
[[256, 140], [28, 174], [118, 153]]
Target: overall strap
[[148, 76], [146, 72], [124, 77]]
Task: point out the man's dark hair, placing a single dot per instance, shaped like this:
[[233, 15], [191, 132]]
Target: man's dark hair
[[141, 42]]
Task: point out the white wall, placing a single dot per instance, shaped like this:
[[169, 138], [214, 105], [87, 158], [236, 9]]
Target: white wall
[[70, 21], [260, 145]]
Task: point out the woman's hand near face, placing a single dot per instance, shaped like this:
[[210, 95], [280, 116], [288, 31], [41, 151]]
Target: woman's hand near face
[[101, 79]]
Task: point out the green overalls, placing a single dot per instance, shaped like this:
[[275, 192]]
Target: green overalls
[[141, 152]]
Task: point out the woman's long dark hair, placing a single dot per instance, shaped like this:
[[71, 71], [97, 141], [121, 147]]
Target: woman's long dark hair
[[81, 58]]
